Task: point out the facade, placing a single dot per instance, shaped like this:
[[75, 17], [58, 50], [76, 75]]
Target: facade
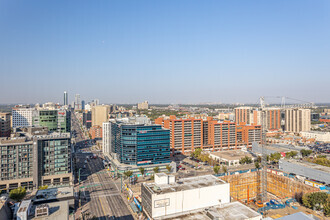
[[65, 101], [243, 114], [22, 116], [186, 134], [297, 120], [87, 119], [100, 114], [251, 116], [143, 105], [96, 131], [136, 144], [166, 197], [34, 159], [5, 128], [77, 102], [55, 120], [316, 135], [306, 169]]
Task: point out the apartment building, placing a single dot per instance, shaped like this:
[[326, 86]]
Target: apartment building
[[143, 105], [297, 120], [189, 133], [35, 157], [96, 132], [243, 114], [5, 122], [22, 116], [100, 114]]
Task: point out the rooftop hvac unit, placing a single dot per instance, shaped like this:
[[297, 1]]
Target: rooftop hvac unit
[[42, 210]]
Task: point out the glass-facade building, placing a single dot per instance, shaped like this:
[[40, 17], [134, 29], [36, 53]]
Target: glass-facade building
[[54, 120], [143, 145]]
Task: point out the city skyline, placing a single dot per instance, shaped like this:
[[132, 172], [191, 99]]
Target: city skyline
[[164, 52]]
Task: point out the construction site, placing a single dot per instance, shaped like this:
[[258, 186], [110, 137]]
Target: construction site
[[247, 188]]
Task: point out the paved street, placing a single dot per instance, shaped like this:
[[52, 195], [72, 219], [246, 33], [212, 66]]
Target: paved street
[[99, 193]]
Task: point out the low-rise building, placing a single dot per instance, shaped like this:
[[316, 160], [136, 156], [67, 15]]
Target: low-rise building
[[309, 170], [316, 135], [167, 197], [230, 158]]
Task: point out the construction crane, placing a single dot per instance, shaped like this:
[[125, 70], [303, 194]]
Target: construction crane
[[302, 104]]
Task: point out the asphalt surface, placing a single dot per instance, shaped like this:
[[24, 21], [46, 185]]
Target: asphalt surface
[[99, 192]]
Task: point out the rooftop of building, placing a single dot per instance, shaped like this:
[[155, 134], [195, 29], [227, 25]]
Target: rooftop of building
[[54, 193], [231, 155], [308, 165], [233, 210], [315, 132], [185, 184], [57, 211]]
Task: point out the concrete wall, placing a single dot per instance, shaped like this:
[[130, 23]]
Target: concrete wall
[[186, 200]]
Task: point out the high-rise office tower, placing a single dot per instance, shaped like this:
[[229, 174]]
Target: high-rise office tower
[[5, 128], [65, 98], [297, 120], [83, 105], [77, 102]]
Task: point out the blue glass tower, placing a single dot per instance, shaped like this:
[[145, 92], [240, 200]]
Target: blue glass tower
[[144, 145]]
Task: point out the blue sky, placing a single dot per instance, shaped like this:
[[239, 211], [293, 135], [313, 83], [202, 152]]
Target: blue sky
[[186, 51]]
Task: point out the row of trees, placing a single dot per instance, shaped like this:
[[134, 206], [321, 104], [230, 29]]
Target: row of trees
[[216, 169], [318, 200], [142, 171]]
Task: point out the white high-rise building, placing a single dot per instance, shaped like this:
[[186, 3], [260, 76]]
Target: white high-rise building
[[297, 120], [22, 116], [65, 98], [77, 102]]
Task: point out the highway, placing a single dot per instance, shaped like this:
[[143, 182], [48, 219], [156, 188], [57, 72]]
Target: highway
[[99, 193]]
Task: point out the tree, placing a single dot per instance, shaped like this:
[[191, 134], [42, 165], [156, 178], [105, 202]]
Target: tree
[[291, 154], [43, 187], [17, 194], [156, 169], [257, 165], [316, 200], [142, 170], [216, 169], [224, 169], [275, 157], [259, 159], [197, 152], [305, 153], [169, 168], [128, 173]]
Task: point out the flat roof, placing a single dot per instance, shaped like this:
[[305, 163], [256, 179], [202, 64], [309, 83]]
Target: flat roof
[[53, 193], [231, 154], [309, 165], [185, 184], [57, 211], [233, 210]]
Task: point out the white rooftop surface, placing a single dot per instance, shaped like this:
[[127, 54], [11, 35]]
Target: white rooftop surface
[[310, 165], [54, 193], [185, 184], [57, 211], [229, 211]]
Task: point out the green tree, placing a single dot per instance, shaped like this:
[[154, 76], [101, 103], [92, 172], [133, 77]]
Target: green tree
[[216, 169], [291, 154], [43, 187], [169, 168], [156, 169], [17, 194], [315, 200], [142, 170], [128, 173], [259, 159], [224, 169], [257, 165], [305, 153], [197, 152], [275, 157]]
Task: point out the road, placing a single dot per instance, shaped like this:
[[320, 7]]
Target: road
[[99, 192]]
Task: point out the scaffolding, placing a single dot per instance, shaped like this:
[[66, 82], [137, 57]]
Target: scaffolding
[[247, 186]]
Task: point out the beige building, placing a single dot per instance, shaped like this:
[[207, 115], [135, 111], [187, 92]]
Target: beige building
[[100, 114], [317, 135], [143, 105], [5, 124], [297, 120]]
